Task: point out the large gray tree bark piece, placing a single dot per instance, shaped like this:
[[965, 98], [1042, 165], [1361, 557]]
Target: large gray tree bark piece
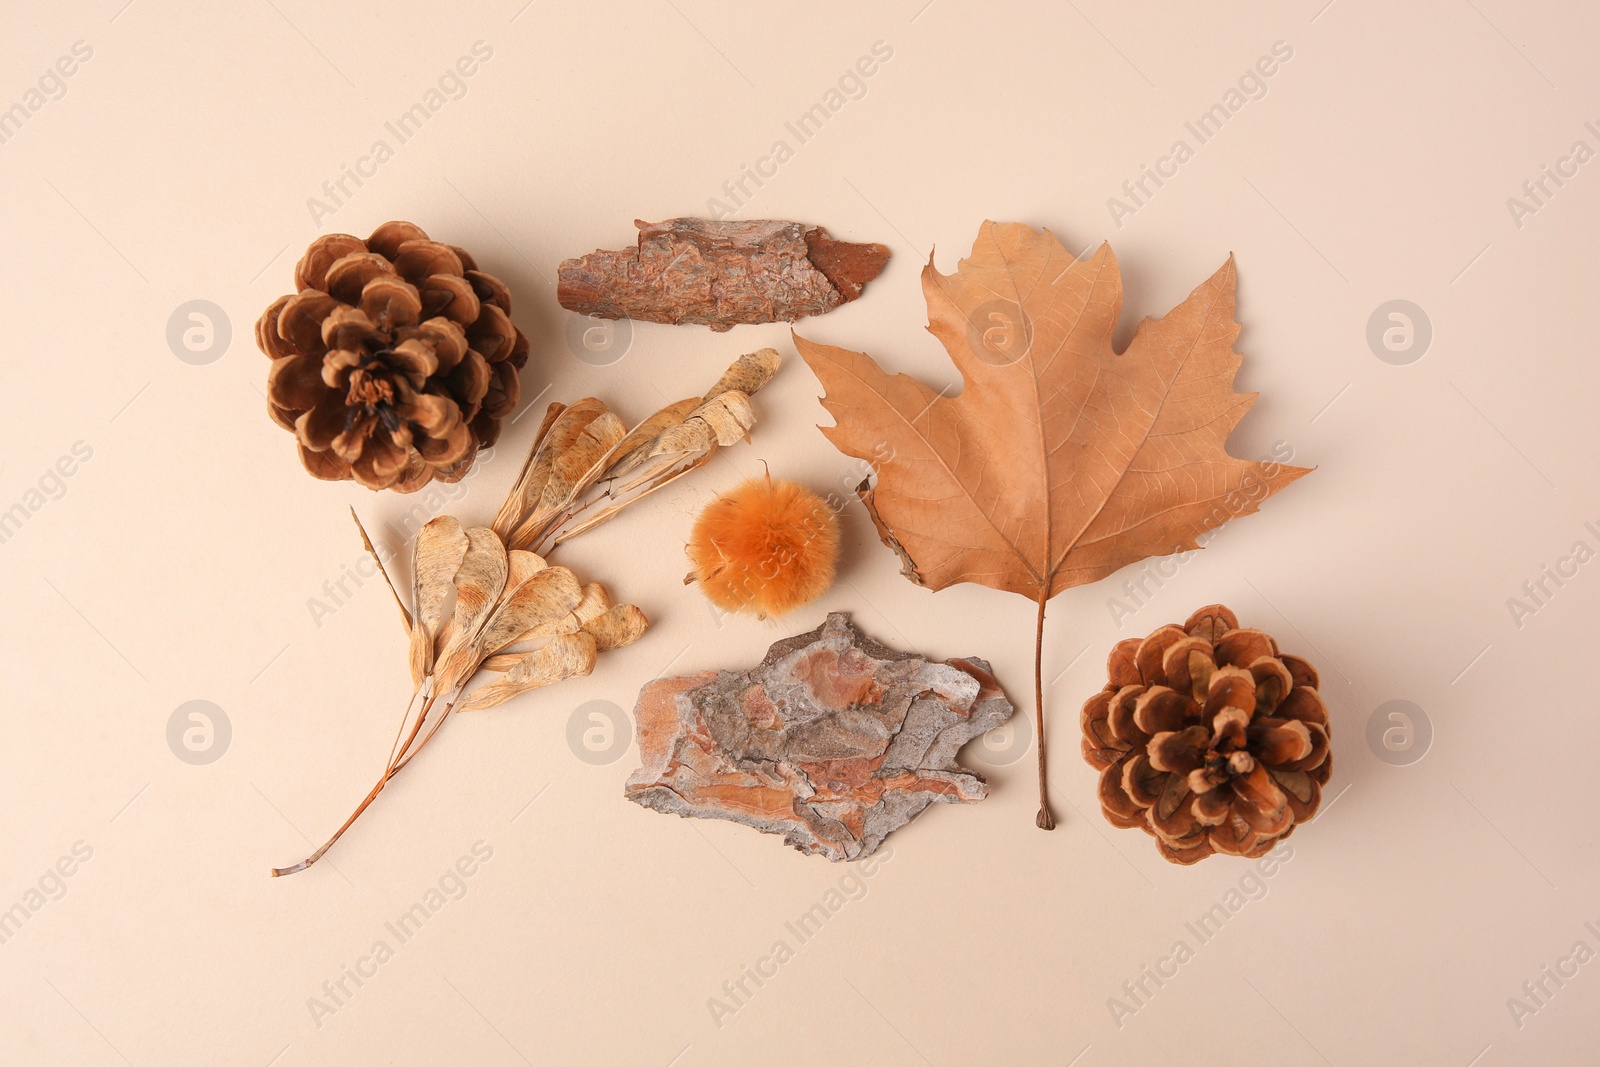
[[833, 741]]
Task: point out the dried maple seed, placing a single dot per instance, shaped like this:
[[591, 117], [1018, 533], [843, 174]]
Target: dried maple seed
[[1061, 460], [1208, 738], [502, 598], [585, 465], [583, 469], [395, 360]]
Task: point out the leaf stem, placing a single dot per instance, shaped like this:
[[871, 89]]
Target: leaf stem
[[1045, 820]]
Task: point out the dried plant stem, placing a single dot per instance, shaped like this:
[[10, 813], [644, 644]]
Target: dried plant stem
[[1045, 820], [448, 708], [400, 731], [366, 541], [279, 872], [400, 755]]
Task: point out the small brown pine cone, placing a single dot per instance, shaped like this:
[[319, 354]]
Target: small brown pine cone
[[394, 362], [1208, 738]]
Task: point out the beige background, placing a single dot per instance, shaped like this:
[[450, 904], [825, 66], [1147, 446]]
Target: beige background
[[178, 562]]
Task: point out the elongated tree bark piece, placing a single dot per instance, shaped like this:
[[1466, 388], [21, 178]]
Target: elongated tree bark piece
[[720, 274]]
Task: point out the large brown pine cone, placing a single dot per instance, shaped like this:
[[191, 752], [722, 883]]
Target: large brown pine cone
[[394, 362], [1208, 738]]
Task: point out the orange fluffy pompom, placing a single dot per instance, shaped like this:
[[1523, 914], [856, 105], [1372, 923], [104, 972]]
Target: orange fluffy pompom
[[764, 547]]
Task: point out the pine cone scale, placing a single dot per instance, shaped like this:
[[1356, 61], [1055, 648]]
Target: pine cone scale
[[271, 343], [1280, 741], [1115, 801], [381, 460], [324, 465], [318, 427], [391, 303], [312, 270], [490, 290], [492, 334], [283, 418], [300, 321], [1179, 751], [436, 416], [420, 259], [1297, 785], [388, 239], [295, 382], [469, 379], [348, 277], [443, 336], [447, 296], [1160, 710]]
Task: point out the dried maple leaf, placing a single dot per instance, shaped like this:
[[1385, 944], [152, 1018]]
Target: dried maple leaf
[[1061, 460]]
